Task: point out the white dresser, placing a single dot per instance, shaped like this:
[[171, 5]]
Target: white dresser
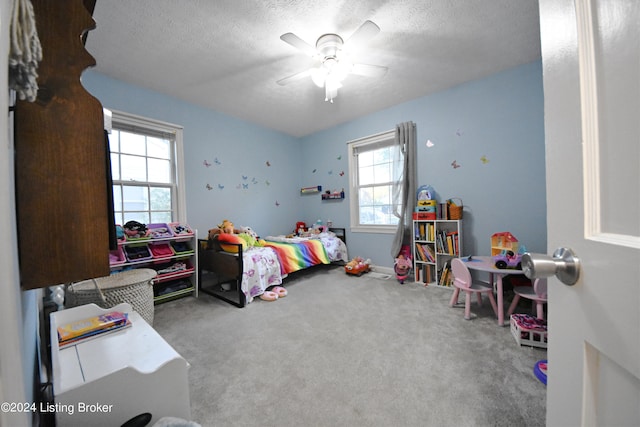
[[107, 380]]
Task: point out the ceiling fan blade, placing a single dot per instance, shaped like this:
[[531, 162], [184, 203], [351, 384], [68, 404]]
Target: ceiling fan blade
[[294, 77], [369, 70], [298, 43], [363, 34]]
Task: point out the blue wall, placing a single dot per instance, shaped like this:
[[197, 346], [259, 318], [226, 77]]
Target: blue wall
[[233, 169], [493, 128]]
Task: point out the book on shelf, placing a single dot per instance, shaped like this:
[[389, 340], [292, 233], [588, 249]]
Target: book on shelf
[[453, 243], [92, 327], [424, 253], [445, 275]]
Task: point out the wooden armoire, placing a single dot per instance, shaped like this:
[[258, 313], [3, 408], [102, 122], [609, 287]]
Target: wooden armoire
[[62, 174]]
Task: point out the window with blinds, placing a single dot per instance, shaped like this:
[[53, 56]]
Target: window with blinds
[[371, 183]]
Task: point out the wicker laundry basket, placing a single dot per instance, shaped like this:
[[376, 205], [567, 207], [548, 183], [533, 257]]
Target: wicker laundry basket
[[132, 286]]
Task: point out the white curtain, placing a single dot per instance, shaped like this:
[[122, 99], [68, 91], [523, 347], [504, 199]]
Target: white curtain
[[404, 183]]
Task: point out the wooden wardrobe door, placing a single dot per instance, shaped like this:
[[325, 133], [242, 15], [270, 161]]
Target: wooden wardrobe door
[[61, 173]]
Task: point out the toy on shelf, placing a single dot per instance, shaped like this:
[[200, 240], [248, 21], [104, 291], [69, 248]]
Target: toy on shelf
[[503, 241], [333, 195], [425, 204], [357, 266]]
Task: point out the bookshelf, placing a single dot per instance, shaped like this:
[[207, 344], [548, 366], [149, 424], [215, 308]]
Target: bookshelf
[[435, 243]]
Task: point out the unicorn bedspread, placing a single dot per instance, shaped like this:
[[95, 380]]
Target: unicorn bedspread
[[261, 270], [294, 256]]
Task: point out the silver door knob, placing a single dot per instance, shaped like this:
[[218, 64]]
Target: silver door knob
[[564, 264]]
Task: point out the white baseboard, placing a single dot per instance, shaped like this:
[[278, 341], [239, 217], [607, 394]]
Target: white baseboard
[[381, 269]]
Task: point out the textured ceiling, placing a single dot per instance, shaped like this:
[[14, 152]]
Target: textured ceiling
[[227, 54]]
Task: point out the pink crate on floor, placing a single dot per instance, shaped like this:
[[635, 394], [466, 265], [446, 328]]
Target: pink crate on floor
[[527, 330]]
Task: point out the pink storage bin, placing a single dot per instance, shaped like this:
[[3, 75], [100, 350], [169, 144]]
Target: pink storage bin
[[117, 256], [161, 250], [181, 229]]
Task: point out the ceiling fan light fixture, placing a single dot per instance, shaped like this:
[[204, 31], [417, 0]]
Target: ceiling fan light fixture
[[331, 90], [335, 63], [319, 75]]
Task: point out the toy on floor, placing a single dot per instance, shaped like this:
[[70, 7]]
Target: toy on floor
[[402, 264], [357, 266], [540, 370]]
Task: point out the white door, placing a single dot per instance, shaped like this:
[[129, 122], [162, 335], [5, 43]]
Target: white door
[[591, 74]]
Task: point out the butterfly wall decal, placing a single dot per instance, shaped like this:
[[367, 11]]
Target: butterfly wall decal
[[484, 160], [341, 173], [277, 203], [430, 143], [220, 186], [455, 164], [206, 163], [216, 161], [209, 187]]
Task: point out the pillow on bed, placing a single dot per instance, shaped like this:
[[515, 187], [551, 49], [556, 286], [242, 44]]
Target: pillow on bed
[[231, 238]]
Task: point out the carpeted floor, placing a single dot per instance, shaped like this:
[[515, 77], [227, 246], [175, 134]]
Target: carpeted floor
[[352, 351]]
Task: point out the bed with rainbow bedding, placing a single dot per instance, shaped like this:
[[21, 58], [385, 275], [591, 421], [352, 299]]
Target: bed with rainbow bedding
[[243, 275], [297, 255]]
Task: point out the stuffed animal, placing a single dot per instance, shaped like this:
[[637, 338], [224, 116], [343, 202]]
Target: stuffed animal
[[226, 227], [227, 233]]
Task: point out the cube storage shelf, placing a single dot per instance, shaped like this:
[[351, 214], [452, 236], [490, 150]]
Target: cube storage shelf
[[435, 243], [171, 250]]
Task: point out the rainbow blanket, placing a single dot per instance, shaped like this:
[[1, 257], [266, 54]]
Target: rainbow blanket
[[300, 255]]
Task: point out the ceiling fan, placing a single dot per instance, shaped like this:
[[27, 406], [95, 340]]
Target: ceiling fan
[[333, 62]]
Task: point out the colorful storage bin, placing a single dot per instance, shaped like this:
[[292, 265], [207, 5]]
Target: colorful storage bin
[[137, 252], [180, 229], [161, 250], [117, 257], [529, 330], [181, 247], [159, 231]]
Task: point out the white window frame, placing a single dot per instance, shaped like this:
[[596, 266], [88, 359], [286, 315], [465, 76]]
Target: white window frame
[[155, 126], [380, 140]]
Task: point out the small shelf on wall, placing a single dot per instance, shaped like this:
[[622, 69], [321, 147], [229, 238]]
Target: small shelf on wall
[[336, 195], [311, 190]]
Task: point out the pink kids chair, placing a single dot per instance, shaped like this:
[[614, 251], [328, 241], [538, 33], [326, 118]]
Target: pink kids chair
[[537, 293], [463, 281]]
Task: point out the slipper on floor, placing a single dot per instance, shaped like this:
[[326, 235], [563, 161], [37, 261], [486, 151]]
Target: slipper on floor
[[282, 292], [269, 296]]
